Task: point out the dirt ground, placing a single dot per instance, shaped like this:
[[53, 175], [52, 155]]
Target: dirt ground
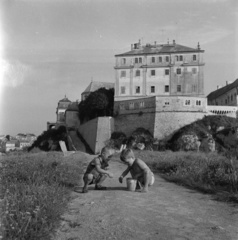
[[167, 211]]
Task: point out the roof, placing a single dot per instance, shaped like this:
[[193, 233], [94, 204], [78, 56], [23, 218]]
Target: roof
[[160, 48], [65, 99], [94, 86], [215, 94], [73, 107]]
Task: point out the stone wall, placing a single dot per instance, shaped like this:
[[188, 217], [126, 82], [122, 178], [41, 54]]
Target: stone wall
[[162, 115], [127, 123], [166, 123], [96, 132]]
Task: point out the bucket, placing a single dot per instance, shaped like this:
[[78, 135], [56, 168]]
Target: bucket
[[131, 184]]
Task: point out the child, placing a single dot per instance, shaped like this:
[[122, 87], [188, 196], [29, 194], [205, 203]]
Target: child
[[138, 169], [96, 171]]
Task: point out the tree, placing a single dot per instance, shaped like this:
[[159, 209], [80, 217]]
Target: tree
[[97, 104]]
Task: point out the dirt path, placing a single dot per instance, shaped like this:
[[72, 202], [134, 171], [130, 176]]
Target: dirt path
[[167, 212]]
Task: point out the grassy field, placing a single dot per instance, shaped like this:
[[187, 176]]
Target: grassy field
[[36, 186], [206, 172], [35, 191]]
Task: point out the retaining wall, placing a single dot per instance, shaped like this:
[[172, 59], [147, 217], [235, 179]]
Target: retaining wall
[[96, 132]]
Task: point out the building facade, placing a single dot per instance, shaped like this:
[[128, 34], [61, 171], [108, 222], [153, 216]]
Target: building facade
[[61, 108], [159, 70], [224, 96], [160, 87]]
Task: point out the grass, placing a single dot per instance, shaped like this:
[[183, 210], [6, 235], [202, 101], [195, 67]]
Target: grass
[[36, 186], [35, 193], [207, 172]]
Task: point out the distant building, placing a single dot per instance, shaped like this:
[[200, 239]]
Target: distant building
[[29, 137], [224, 96], [24, 144], [61, 108], [159, 70], [12, 145], [72, 115], [94, 86]]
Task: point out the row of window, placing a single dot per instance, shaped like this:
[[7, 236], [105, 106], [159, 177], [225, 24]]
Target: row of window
[[152, 89], [230, 98], [160, 59], [132, 105], [153, 72]]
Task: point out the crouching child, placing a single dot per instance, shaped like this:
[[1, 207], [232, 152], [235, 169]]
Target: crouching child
[[97, 170], [138, 169]]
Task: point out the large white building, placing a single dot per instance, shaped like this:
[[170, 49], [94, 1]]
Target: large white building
[[159, 70]]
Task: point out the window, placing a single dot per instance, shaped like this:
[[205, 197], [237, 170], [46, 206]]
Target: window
[[178, 71], [152, 89], [194, 88], [231, 97], [166, 103], [131, 105], [123, 61], [123, 90], [176, 58], [136, 60], [225, 101], [198, 102], [153, 59], [137, 73], [166, 71], [137, 89], [160, 59], [194, 70], [166, 88], [142, 104], [122, 106], [167, 59], [180, 58], [178, 88], [194, 57], [140, 60], [152, 72], [123, 73], [187, 102]]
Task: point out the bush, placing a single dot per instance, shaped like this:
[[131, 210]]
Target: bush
[[49, 139], [117, 139]]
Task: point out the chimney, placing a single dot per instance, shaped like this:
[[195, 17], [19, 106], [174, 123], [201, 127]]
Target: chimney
[[198, 46], [174, 42], [219, 86], [227, 83], [131, 46], [155, 43]]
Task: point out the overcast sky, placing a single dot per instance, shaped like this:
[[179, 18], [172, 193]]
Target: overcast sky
[[49, 48]]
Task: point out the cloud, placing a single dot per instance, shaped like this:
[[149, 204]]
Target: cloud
[[14, 73]]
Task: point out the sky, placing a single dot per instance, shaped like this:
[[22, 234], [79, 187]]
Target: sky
[[53, 48]]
